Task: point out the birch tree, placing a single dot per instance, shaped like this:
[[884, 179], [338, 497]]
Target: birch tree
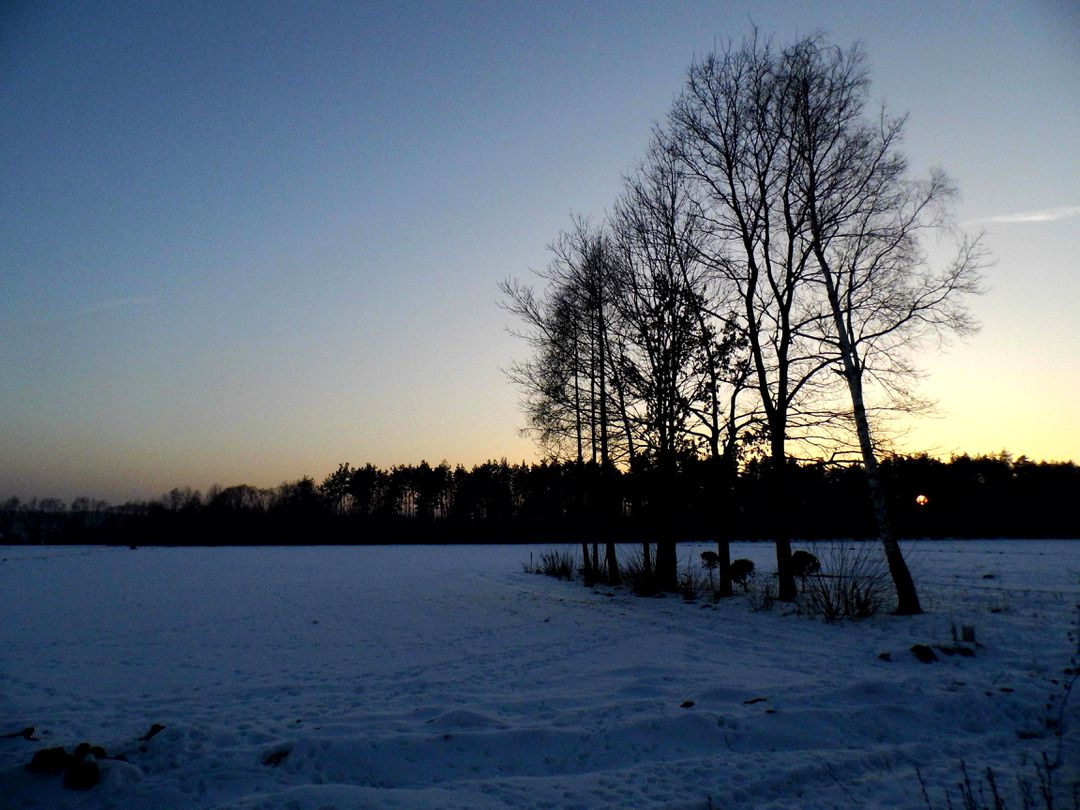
[[865, 217]]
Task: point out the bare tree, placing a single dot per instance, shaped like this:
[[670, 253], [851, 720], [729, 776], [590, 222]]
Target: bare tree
[[865, 218], [572, 385], [657, 316], [551, 393], [574, 398], [679, 356], [727, 130]]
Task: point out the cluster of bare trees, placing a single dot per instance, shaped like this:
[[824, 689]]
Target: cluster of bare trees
[[761, 276]]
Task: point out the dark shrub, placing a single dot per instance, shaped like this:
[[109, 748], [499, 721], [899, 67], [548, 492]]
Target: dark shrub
[[803, 564], [741, 571]]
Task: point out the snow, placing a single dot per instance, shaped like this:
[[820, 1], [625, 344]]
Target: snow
[[416, 677]]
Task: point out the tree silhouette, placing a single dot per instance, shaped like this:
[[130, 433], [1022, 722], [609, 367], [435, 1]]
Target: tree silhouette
[[864, 218]]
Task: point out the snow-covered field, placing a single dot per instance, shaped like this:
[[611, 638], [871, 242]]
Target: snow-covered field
[[447, 677]]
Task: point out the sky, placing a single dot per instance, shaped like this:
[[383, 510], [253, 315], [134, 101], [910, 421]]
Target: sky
[[246, 242]]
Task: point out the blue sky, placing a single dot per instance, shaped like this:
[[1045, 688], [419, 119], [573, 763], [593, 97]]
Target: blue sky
[[248, 241]]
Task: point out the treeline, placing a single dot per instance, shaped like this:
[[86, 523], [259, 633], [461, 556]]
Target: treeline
[[570, 502]]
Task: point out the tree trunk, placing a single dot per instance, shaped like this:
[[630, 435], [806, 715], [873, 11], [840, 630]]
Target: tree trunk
[[780, 504], [602, 351], [723, 551], [907, 597], [613, 577], [667, 565], [577, 411], [724, 476], [628, 430], [593, 413]]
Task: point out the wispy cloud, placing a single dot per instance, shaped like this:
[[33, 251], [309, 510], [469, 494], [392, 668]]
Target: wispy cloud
[[1046, 215], [118, 303]]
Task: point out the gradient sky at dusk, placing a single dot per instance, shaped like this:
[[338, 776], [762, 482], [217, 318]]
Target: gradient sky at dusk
[[243, 242]]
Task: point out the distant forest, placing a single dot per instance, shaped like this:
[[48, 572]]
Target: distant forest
[[498, 502]]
